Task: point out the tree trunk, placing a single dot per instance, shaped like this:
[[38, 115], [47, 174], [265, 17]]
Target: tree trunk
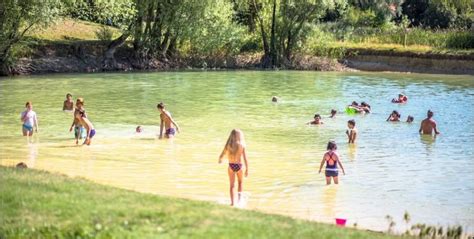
[[273, 50], [109, 62]]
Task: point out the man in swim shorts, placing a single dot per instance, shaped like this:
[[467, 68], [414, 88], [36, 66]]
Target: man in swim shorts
[[167, 122]]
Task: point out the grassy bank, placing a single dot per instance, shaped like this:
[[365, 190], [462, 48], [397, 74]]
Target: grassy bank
[[44, 205]]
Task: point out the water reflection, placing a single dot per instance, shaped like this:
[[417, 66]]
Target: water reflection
[[428, 141]]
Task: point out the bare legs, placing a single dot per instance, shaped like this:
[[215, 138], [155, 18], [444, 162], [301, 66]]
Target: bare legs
[[328, 180], [232, 182]]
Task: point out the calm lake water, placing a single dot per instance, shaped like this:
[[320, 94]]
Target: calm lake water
[[391, 168]]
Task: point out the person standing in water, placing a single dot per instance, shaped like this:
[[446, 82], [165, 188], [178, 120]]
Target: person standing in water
[[68, 103], [167, 122], [84, 121], [428, 125], [331, 158], [76, 123], [234, 149], [29, 120], [352, 131]]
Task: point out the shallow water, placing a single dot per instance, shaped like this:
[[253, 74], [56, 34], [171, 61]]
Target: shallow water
[[391, 168]]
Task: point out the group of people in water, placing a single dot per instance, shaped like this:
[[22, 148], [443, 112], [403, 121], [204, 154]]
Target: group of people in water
[[234, 149]]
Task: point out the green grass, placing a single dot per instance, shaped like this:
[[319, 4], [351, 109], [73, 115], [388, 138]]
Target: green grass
[[68, 30], [37, 204]]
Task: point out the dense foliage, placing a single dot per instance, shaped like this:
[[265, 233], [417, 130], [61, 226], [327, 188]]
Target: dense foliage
[[160, 29]]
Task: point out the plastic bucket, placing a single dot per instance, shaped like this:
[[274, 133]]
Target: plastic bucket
[[341, 222]]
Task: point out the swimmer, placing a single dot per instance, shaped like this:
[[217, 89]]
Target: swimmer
[[88, 126], [274, 99], [365, 107], [394, 116], [428, 125], [138, 129], [352, 131], [410, 119], [234, 149], [167, 122], [68, 103], [76, 123], [356, 107], [29, 119], [333, 113], [331, 158], [317, 120], [401, 99]]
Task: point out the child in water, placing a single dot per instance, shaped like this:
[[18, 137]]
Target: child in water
[[76, 123], [333, 113], [167, 122], [394, 116], [410, 119], [30, 122], [331, 158], [83, 120], [401, 99], [68, 103], [317, 120], [138, 129], [234, 149], [352, 131]]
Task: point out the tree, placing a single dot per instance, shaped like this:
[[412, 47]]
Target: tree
[[283, 24], [17, 17]]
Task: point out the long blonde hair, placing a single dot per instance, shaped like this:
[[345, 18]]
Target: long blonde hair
[[235, 142]]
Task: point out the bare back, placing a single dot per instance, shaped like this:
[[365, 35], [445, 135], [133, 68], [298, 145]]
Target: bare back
[[166, 119], [427, 126]]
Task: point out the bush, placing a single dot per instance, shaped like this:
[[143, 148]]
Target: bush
[[461, 40], [104, 33]]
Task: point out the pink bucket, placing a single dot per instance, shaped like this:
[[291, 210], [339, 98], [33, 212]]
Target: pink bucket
[[341, 222]]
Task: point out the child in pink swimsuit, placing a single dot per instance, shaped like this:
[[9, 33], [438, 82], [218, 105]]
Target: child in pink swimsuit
[[234, 149]]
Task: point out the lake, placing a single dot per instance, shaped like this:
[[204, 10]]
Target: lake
[[391, 168]]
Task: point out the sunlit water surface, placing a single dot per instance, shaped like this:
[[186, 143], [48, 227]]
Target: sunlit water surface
[[390, 170]]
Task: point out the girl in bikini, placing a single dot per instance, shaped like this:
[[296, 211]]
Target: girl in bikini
[[331, 158], [234, 149]]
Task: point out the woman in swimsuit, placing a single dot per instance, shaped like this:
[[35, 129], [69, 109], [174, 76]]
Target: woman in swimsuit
[[331, 158], [30, 122], [234, 149]]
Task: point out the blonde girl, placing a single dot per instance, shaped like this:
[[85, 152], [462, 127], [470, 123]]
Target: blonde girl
[[234, 149]]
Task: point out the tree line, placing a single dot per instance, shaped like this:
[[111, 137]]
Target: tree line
[[163, 29]]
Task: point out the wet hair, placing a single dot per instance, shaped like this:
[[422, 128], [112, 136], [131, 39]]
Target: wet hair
[[430, 113], [410, 118], [317, 115], [333, 111], [354, 103], [396, 113], [27, 103], [331, 145], [161, 105], [352, 122], [68, 94], [138, 129], [365, 104], [274, 99]]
